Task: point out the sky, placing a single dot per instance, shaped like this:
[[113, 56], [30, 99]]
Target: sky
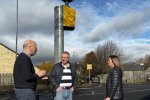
[[125, 22]]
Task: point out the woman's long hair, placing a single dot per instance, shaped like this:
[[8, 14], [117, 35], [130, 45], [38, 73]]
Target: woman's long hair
[[117, 62]]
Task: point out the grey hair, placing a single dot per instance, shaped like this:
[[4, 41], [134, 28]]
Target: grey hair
[[65, 52]]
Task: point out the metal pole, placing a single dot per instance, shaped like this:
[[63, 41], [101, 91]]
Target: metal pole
[[89, 77], [73, 57], [66, 3], [58, 33], [16, 28]]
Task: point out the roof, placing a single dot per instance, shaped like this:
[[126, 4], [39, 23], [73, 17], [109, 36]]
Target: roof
[[134, 67], [8, 48]]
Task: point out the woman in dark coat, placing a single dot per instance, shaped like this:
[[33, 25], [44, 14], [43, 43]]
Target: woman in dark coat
[[114, 89]]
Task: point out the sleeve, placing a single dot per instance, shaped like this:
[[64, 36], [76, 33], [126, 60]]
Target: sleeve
[[75, 79], [114, 83], [52, 78], [26, 67]]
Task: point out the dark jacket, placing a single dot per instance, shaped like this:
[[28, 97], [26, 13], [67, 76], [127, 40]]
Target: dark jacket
[[114, 89], [56, 75], [24, 73]]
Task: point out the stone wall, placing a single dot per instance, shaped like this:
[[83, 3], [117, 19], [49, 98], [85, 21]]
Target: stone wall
[[7, 59], [103, 78], [130, 76]]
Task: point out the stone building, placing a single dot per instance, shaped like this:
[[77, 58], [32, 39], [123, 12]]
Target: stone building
[[7, 59]]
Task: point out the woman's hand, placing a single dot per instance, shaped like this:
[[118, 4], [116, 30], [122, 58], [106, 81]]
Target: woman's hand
[[107, 98]]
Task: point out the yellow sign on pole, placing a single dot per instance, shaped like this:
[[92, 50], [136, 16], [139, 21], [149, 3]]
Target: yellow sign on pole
[[69, 15], [89, 66]]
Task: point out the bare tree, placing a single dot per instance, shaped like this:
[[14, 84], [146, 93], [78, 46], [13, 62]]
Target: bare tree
[[141, 60], [147, 60], [103, 52]]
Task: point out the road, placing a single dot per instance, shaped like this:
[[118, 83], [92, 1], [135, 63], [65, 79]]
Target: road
[[132, 91]]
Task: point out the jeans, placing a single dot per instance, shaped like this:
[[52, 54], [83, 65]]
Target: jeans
[[25, 94], [65, 94]]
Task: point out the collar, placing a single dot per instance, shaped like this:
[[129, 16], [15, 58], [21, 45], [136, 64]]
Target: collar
[[27, 54], [61, 64], [65, 66]]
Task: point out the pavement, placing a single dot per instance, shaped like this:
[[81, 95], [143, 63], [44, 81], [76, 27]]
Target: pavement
[[46, 95]]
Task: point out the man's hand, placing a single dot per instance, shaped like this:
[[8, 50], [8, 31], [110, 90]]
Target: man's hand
[[43, 78], [41, 73], [107, 98], [72, 89], [59, 89]]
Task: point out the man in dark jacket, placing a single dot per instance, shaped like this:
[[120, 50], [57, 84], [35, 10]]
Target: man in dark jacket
[[63, 78], [24, 75]]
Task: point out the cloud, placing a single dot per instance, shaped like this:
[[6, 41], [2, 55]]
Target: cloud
[[130, 25], [45, 47], [36, 22], [95, 22], [84, 18], [79, 54], [134, 49]]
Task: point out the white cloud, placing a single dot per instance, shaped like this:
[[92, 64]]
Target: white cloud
[[119, 22], [84, 18], [36, 22], [134, 49], [79, 54], [130, 25], [33, 16], [45, 47]]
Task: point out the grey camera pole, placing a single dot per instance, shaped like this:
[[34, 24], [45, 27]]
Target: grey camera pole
[[58, 33]]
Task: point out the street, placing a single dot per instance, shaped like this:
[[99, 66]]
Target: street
[[131, 92], [134, 91]]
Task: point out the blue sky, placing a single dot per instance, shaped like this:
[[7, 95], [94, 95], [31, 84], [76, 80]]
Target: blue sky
[[125, 22]]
